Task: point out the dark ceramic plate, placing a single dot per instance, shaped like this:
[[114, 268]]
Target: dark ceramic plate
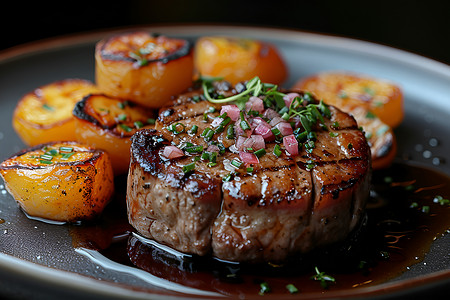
[[38, 260]]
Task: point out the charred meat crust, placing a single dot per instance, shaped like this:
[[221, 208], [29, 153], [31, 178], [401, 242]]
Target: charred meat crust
[[284, 207]]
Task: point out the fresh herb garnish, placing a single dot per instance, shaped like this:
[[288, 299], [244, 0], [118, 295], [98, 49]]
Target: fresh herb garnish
[[441, 200], [277, 150], [189, 167], [324, 279], [292, 288], [176, 128], [264, 288], [47, 107]]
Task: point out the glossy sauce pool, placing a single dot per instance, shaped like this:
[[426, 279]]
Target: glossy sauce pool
[[403, 219]]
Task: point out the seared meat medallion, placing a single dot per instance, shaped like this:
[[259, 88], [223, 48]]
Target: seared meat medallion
[[240, 184]]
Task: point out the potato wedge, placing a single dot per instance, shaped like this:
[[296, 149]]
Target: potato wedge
[[45, 114], [60, 181], [107, 123], [347, 91], [144, 68], [238, 59]]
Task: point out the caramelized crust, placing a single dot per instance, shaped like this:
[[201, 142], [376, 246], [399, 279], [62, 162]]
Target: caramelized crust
[[108, 123], [145, 68]]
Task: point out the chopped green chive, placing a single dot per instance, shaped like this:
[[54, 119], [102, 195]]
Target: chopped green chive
[[259, 153], [227, 177], [264, 288], [343, 95], [310, 164], [151, 121], [65, 149], [125, 127], [209, 135], [441, 200], [205, 131], [193, 149], [369, 91], [222, 125], [176, 128], [138, 124], [370, 115], [122, 117], [333, 134], [47, 107], [194, 129], [141, 61], [244, 124], [122, 105], [67, 155], [230, 132], [235, 163], [277, 150], [46, 157], [189, 167], [414, 205], [292, 288]]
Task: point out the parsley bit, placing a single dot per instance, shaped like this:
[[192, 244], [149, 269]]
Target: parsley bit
[[292, 288], [441, 200], [265, 288], [323, 278]]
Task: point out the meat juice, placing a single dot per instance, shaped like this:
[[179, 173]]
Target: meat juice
[[406, 212]]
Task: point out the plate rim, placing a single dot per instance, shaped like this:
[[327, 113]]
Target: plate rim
[[58, 43]]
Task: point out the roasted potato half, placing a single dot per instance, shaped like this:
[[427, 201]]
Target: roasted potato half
[[60, 181], [238, 59], [367, 99], [107, 123], [143, 67], [45, 114], [382, 98]]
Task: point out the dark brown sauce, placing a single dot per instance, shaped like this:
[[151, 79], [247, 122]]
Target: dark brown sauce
[[402, 222]]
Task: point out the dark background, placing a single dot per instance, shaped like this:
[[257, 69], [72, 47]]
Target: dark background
[[422, 27]]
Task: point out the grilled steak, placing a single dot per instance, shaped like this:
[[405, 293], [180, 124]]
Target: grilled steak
[[219, 195]]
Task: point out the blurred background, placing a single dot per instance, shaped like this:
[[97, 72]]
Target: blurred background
[[421, 27]]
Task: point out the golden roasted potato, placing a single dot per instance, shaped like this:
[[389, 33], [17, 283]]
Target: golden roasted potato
[[107, 123], [144, 68], [60, 181], [45, 114], [345, 90], [359, 95], [238, 59]]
